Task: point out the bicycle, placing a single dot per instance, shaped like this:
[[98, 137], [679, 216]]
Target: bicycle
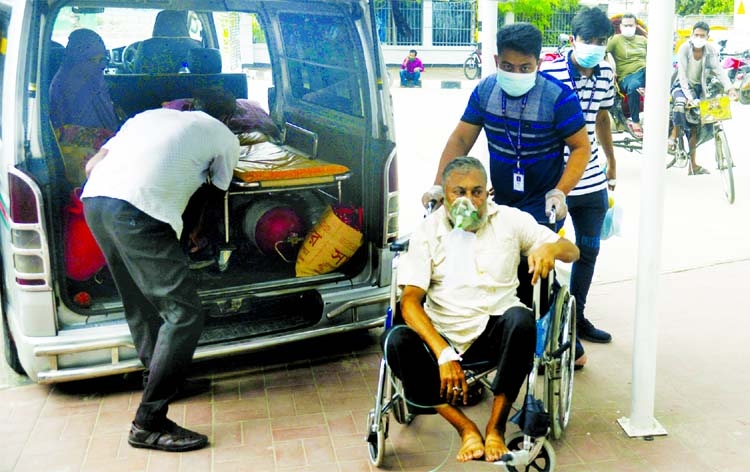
[[473, 63], [709, 114]]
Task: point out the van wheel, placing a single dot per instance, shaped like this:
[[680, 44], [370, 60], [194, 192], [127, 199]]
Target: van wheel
[[11, 352]]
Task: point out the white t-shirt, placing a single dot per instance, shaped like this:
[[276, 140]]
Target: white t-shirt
[[461, 313], [160, 157]]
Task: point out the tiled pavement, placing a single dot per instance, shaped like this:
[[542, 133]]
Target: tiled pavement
[[269, 412]]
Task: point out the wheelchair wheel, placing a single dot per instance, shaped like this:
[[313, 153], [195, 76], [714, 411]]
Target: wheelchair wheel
[[541, 457], [377, 418], [377, 431], [559, 373]]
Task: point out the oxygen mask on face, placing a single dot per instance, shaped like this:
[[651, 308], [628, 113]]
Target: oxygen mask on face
[[464, 214]]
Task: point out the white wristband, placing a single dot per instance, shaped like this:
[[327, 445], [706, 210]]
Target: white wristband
[[612, 182], [447, 355]]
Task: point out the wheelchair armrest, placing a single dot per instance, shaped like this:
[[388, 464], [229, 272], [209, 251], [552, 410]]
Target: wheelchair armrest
[[400, 245]]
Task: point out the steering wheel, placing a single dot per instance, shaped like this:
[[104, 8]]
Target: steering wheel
[[128, 57]]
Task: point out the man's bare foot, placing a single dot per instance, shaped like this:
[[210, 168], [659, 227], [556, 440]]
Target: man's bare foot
[[494, 446], [471, 446]]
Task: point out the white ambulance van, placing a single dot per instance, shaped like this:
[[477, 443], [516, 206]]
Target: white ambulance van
[[313, 67]]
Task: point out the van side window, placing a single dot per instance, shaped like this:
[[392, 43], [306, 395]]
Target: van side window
[[4, 20], [323, 60]]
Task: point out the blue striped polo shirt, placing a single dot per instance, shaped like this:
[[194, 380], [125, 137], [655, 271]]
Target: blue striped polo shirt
[[530, 133], [595, 93]]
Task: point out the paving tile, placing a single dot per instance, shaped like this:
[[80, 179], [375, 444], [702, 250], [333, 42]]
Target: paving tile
[[319, 451], [289, 454], [239, 410]]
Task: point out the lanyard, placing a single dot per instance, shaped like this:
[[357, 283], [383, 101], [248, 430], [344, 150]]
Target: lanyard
[[517, 146], [583, 89]]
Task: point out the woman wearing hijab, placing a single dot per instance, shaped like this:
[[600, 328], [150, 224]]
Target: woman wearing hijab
[[81, 109]]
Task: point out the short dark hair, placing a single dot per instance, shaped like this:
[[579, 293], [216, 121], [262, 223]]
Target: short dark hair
[[629, 15], [702, 25], [215, 101], [520, 37], [413, 51], [463, 163], [590, 23]]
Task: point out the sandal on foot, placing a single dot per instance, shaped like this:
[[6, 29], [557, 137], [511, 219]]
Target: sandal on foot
[[636, 129], [698, 170]]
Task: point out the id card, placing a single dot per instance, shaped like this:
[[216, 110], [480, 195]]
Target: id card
[[518, 180]]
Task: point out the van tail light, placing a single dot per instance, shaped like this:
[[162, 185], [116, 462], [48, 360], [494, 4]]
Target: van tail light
[[23, 204], [29, 251]]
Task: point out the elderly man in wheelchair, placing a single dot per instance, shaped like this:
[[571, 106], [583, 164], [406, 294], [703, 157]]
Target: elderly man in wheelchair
[[459, 305]]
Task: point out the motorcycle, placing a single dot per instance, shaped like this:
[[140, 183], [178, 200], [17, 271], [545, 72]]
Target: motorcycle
[[738, 71]]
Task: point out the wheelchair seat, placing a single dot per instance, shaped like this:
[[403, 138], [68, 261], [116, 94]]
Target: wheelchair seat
[[169, 45]]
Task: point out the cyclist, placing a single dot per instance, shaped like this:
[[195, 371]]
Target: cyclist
[[697, 62], [627, 52]]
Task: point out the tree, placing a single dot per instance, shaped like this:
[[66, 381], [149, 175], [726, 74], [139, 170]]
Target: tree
[[688, 7], [715, 7], [703, 7], [542, 9]]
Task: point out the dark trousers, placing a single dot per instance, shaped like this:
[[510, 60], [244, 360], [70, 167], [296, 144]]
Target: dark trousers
[[629, 86], [508, 342], [587, 212], [160, 298]]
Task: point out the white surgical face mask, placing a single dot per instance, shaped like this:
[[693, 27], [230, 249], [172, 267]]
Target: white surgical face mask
[[516, 84], [698, 42], [627, 31], [589, 55]]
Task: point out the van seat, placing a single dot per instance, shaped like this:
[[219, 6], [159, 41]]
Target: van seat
[[135, 93]]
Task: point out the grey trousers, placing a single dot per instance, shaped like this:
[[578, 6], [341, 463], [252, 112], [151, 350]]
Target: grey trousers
[[160, 298]]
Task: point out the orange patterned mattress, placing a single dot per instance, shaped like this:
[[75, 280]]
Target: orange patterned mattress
[[268, 162]]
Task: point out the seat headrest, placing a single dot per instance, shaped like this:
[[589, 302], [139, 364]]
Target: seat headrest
[[204, 61], [171, 23]]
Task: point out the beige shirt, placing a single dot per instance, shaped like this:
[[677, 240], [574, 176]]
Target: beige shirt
[[461, 313]]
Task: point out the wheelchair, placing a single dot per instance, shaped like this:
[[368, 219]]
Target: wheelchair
[[549, 386]]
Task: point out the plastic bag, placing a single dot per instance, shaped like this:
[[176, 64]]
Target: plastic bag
[[612, 225]]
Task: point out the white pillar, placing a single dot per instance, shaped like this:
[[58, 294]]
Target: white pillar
[[488, 35], [427, 23], [641, 421]]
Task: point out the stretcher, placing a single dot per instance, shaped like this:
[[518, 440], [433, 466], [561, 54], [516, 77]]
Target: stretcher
[[268, 167]]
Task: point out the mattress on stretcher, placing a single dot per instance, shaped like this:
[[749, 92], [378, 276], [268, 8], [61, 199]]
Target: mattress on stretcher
[[272, 165]]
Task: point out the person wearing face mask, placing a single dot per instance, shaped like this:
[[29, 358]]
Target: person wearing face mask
[[584, 70], [697, 62], [528, 119], [467, 310], [627, 52]]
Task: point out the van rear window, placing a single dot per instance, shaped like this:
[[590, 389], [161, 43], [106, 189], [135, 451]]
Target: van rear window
[[322, 61]]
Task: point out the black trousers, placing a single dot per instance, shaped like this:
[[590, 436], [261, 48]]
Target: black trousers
[[507, 342], [161, 301]]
